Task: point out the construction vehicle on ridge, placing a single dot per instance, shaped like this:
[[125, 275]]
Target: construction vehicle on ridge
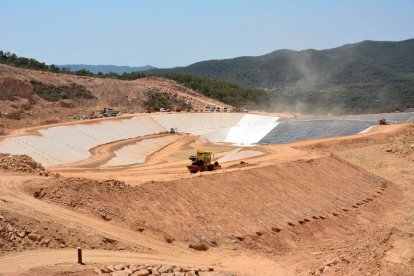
[[202, 162], [382, 121]]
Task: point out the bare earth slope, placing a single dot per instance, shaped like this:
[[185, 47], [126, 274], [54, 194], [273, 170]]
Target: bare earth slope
[[341, 206], [124, 95], [222, 206]]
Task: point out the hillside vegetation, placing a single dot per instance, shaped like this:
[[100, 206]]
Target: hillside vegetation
[[365, 77], [368, 76], [223, 91], [226, 92], [54, 93]]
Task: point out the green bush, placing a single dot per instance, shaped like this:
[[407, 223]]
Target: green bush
[[54, 93], [225, 92], [157, 100]]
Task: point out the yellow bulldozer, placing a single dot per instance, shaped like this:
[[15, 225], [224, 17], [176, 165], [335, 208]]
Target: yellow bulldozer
[[202, 162]]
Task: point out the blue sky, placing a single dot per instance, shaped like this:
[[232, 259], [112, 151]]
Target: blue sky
[[167, 33]]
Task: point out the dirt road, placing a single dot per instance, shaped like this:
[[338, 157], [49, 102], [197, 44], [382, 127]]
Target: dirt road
[[154, 251]]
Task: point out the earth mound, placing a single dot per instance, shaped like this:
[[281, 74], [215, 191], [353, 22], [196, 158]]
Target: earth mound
[[250, 207], [402, 144], [21, 163]]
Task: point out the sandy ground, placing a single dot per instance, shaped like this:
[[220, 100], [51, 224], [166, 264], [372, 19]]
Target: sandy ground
[[338, 206], [151, 249]]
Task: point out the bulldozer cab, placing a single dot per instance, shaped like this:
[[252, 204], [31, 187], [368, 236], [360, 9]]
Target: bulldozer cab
[[202, 158]]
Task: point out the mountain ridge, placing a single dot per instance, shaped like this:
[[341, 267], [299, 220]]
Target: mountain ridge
[[364, 77], [367, 76], [106, 68], [224, 69]]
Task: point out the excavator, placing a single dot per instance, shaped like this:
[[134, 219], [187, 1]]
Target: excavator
[[202, 162]]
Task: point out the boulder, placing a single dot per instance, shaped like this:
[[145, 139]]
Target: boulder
[[120, 273], [108, 240], [169, 239], [119, 267], [127, 270], [165, 269], [133, 268], [45, 242], [33, 236], [106, 270], [153, 270], [25, 104], [199, 246], [142, 272]]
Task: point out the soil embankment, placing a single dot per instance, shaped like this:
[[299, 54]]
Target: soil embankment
[[263, 207], [300, 209]]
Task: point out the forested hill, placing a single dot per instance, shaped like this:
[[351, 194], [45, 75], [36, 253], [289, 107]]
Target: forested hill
[[367, 61], [365, 77], [369, 76], [225, 92]]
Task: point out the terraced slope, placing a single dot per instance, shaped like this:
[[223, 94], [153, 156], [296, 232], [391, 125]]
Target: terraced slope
[[273, 202]]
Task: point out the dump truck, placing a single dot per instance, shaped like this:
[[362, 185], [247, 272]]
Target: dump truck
[[202, 162]]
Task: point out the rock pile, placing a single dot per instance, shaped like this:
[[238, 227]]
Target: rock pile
[[21, 163], [160, 270], [15, 235], [113, 184]]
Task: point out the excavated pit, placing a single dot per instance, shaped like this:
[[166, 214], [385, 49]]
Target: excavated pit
[[70, 143]]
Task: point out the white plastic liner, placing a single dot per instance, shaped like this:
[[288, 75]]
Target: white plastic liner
[[137, 153], [71, 143]]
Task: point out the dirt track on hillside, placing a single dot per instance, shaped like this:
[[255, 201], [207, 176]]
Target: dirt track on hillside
[[151, 249]]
